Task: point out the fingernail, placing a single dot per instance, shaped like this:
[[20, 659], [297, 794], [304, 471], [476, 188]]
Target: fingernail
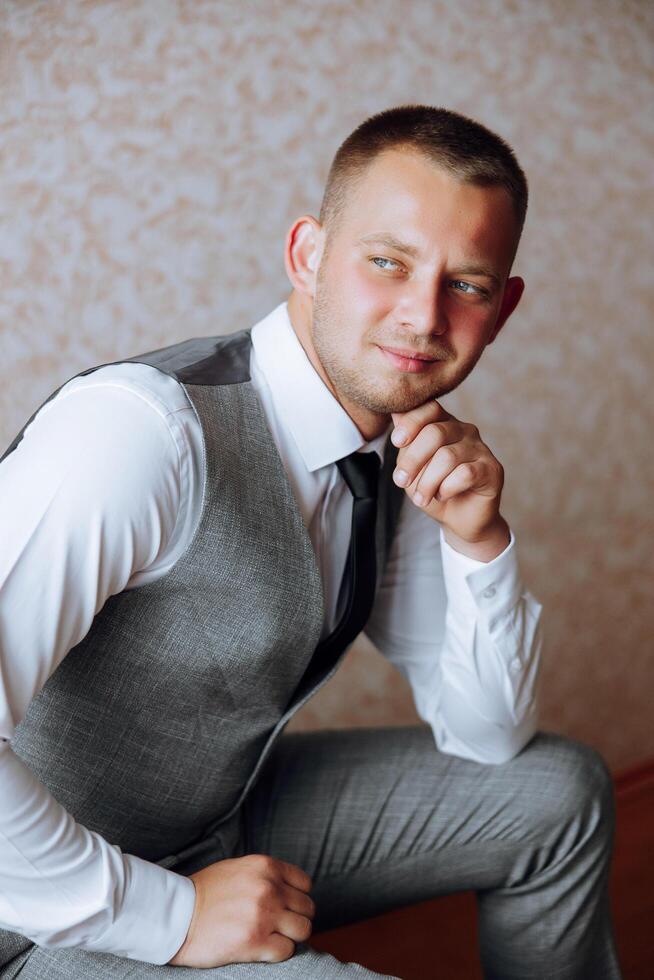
[[418, 498], [398, 437], [401, 477]]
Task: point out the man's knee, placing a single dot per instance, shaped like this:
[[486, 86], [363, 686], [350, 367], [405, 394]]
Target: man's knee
[[573, 785]]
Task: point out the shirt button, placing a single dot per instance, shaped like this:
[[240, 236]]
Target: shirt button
[[515, 664], [489, 592]]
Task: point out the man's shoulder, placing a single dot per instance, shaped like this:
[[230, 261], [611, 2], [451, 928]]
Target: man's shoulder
[[216, 360], [115, 404], [141, 384]]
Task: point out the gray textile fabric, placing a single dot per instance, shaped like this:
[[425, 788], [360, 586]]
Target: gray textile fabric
[[379, 818]]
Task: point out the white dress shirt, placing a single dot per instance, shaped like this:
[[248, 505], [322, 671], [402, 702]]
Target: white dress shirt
[[103, 494]]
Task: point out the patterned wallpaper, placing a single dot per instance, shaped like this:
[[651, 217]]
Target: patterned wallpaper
[[153, 153]]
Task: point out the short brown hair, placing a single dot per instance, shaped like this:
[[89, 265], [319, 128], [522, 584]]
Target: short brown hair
[[460, 145]]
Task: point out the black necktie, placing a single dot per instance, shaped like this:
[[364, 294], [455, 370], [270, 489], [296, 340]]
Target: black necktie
[[361, 473]]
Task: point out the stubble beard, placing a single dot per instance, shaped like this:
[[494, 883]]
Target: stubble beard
[[351, 383]]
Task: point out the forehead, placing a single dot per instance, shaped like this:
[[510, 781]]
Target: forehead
[[405, 193]]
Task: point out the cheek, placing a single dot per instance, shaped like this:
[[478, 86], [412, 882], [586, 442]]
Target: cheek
[[369, 296], [469, 329]]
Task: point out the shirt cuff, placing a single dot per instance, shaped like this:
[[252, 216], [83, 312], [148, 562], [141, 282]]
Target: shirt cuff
[[491, 588], [155, 914]]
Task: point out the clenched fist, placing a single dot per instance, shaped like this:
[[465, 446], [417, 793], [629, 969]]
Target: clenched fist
[[453, 476], [251, 909]]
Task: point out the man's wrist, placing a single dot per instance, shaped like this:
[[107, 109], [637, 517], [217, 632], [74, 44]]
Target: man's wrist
[[179, 958], [491, 544]]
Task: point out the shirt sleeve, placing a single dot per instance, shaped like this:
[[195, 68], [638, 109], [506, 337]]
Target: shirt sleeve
[[92, 497], [467, 636]]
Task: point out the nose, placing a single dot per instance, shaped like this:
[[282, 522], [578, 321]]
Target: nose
[[422, 309]]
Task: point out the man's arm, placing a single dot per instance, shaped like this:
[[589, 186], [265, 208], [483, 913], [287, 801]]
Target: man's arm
[[489, 699], [90, 497], [464, 631]]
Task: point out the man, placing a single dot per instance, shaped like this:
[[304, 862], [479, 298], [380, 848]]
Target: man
[[180, 564]]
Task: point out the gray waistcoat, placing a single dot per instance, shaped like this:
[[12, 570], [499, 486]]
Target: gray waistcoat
[[154, 727]]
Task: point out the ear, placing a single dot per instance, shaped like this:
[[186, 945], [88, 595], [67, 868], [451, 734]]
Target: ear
[[302, 254], [513, 290]]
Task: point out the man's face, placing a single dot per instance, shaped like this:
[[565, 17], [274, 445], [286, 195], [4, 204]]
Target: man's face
[[417, 264]]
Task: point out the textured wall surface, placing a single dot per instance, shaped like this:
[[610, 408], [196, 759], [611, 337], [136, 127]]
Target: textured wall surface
[[153, 153]]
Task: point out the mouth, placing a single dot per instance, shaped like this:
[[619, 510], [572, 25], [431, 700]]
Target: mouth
[[407, 360]]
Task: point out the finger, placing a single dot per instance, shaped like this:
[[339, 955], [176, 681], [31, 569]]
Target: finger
[[444, 463], [298, 901], [295, 876], [425, 445], [296, 927], [276, 949], [463, 479], [411, 489], [409, 423]]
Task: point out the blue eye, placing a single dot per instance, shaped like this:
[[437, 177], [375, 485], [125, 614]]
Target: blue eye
[[469, 289], [380, 258]]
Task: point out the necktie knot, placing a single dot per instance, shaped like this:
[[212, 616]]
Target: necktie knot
[[361, 473]]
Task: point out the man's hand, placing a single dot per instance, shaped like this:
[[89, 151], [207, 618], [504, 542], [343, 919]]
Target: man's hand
[[458, 477], [251, 909]]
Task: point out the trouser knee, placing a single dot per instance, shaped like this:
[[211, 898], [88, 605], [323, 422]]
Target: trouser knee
[[578, 786]]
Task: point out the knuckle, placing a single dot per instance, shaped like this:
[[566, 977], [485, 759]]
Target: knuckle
[[299, 875], [436, 428], [285, 949], [262, 894], [267, 865], [276, 949], [447, 454], [270, 890], [494, 472], [261, 862]]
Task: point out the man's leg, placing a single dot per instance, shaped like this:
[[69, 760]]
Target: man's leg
[[379, 818], [63, 964]]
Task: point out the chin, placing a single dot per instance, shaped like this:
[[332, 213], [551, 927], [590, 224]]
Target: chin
[[398, 402]]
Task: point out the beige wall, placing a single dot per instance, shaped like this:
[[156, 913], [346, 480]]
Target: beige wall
[[153, 154]]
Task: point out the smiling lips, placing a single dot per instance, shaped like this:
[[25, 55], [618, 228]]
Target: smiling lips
[[407, 360]]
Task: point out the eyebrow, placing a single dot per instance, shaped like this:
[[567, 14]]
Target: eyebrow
[[389, 241]]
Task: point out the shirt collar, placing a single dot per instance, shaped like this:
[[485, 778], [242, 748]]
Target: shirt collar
[[320, 426]]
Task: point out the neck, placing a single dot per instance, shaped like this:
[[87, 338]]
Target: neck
[[300, 309]]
